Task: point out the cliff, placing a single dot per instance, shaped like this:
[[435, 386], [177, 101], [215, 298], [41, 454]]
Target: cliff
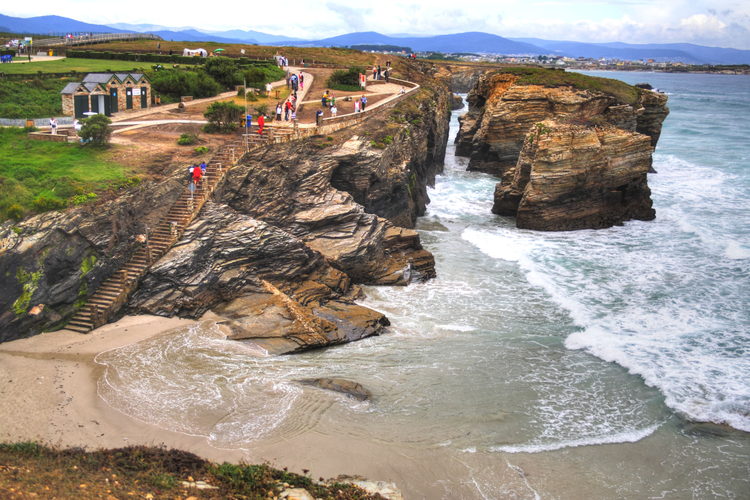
[[574, 177], [588, 165], [279, 252]]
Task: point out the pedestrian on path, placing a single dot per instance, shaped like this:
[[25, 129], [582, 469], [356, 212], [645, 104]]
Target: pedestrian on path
[[53, 125], [301, 81], [287, 110], [318, 117], [268, 89], [191, 181], [279, 110], [261, 123], [364, 102], [197, 174], [356, 105], [334, 110], [203, 168]]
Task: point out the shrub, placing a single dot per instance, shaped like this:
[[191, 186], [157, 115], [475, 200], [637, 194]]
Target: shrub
[[46, 202], [224, 70], [223, 117], [347, 80], [15, 211], [96, 130], [187, 139], [201, 150], [82, 198], [175, 83]]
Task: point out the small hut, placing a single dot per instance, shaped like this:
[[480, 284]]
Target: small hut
[[106, 93]]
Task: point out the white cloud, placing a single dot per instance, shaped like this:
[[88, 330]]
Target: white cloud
[[718, 22]]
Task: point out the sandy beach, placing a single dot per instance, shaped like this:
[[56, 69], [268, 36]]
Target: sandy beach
[[48, 384]]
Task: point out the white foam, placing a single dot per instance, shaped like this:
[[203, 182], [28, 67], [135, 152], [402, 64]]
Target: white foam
[[630, 436]]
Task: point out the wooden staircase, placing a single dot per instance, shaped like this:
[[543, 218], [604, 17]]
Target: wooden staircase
[[115, 291]]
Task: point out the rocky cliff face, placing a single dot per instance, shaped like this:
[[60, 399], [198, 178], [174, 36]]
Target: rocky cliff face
[[278, 254], [52, 262], [586, 167], [574, 177]]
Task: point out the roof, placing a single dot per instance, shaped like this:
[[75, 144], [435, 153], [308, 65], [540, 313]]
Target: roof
[[70, 88], [105, 77], [99, 77]]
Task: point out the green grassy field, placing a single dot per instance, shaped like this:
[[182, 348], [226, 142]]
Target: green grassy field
[[36, 176], [66, 65]]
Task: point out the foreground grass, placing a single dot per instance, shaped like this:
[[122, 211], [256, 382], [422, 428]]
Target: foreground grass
[[73, 64], [37, 176], [30, 470]]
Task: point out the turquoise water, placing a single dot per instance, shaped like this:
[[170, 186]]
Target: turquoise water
[[537, 365]]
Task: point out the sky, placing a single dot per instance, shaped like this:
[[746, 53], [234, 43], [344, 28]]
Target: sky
[[722, 23]]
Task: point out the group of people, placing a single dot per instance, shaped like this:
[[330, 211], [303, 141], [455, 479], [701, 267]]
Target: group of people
[[6, 58], [379, 73], [295, 82], [288, 109]]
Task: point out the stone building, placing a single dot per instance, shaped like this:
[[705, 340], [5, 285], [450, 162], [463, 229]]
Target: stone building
[[106, 93]]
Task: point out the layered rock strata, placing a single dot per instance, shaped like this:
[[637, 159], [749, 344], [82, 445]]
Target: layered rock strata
[[586, 168], [276, 256], [573, 177]]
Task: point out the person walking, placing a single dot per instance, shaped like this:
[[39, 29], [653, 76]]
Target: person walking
[[279, 110], [356, 105], [318, 117], [364, 102], [191, 181], [334, 110], [287, 110], [261, 123], [203, 168], [301, 81], [53, 125], [197, 174]]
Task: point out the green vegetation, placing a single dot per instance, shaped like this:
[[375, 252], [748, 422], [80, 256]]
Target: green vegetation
[[31, 470], [346, 80], [35, 98], [29, 283], [68, 65], [187, 139], [556, 78], [173, 83], [201, 150], [39, 175], [96, 130], [223, 117]]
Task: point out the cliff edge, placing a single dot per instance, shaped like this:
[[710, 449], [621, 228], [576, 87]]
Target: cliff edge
[[573, 151]]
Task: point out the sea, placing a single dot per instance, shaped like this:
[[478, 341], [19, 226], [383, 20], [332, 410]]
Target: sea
[[611, 363]]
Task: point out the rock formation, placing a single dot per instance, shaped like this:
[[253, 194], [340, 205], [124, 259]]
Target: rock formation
[[570, 157], [277, 254]]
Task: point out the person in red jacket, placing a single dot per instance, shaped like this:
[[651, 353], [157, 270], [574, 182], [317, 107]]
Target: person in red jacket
[[261, 123], [197, 174]]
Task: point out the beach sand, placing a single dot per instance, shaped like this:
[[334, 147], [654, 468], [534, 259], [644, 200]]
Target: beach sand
[[48, 385]]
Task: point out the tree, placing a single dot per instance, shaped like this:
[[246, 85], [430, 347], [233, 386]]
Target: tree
[[96, 130], [223, 117]]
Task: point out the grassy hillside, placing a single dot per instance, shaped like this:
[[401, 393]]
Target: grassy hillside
[[37, 176], [342, 57], [555, 78], [67, 65], [30, 470]]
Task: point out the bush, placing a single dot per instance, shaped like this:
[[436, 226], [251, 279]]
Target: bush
[[347, 80], [15, 211], [224, 70], [223, 117], [46, 202], [96, 130], [175, 83], [201, 150], [187, 139]]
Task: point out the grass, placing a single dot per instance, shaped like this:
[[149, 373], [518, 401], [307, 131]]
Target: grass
[[337, 56], [555, 78], [30, 470], [37, 175], [33, 98], [72, 64]]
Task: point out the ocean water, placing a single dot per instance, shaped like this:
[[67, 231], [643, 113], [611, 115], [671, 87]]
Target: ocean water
[[590, 364]]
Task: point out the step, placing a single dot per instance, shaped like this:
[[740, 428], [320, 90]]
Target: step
[[81, 324]]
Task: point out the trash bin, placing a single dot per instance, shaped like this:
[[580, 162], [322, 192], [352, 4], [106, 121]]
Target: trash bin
[[29, 123], [50, 53]]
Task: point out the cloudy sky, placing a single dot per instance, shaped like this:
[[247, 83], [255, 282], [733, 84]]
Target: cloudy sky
[[724, 23]]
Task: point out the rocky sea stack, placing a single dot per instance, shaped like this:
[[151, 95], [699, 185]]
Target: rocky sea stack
[[573, 151]]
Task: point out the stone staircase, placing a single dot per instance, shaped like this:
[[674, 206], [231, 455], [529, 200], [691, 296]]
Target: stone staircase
[[114, 292]]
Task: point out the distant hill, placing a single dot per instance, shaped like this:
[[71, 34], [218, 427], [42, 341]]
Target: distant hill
[[472, 41], [52, 24], [685, 52]]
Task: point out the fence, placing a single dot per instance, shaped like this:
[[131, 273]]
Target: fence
[[93, 39]]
